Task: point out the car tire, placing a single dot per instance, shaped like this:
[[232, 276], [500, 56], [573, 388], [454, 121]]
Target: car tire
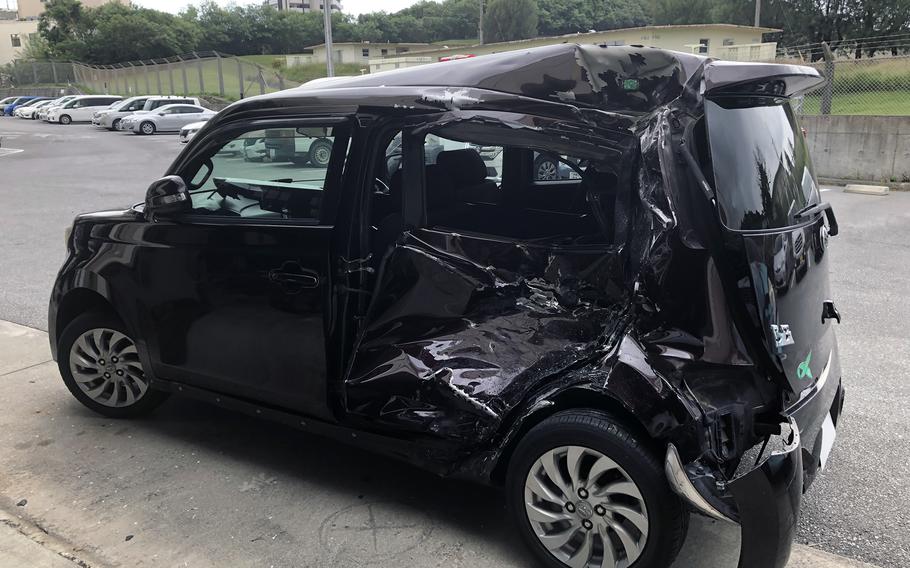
[[65, 119], [320, 153], [100, 365], [147, 128], [627, 504], [546, 169], [115, 125]]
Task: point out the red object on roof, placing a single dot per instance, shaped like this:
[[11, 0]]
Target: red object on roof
[[456, 57]]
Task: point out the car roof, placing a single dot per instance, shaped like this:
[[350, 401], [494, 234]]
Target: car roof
[[557, 80], [179, 105]]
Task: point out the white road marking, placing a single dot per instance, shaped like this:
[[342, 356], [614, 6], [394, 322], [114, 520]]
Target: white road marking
[[8, 151]]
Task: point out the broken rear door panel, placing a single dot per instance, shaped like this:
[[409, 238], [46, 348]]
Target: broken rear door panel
[[462, 328]]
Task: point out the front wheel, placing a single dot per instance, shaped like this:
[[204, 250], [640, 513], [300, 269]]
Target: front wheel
[[100, 365], [147, 128], [115, 125], [584, 491], [65, 119]]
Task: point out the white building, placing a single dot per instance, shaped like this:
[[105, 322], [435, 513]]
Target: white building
[[14, 35], [304, 5]]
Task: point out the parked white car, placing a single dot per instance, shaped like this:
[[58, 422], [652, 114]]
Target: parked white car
[[151, 105], [29, 108], [45, 110], [169, 118], [110, 118], [189, 131], [81, 108]]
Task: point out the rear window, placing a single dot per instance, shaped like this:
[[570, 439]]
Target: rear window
[[762, 171]]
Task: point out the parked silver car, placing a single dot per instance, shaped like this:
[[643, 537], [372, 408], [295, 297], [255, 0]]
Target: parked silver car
[[152, 104], [110, 118], [169, 118]]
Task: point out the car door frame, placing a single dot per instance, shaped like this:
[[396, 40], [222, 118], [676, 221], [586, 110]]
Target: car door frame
[[350, 175]]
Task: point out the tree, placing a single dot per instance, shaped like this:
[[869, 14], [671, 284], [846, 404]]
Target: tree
[[508, 20]]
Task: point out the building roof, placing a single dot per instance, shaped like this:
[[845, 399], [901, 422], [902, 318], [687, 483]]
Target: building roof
[[372, 43]]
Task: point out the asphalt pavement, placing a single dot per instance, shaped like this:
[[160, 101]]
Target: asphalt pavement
[[859, 507]]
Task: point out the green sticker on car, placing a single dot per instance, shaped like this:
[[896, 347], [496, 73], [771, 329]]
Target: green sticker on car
[[803, 371]]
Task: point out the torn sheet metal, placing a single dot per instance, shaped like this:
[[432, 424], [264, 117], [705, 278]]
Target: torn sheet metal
[[465, 327]]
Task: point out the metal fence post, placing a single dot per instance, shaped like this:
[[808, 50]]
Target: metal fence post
[[170, 76], [148, 87], [54, 71], [240, 75], [220, 76], [158, 79], [186, 85], [199, 70], [828, 91]]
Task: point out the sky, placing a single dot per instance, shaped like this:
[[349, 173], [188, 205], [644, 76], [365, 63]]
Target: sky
[[354, 7]]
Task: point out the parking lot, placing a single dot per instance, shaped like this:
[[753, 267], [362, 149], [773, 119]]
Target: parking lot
[[198, 486]]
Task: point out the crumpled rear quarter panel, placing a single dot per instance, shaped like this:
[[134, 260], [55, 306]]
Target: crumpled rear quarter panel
[[462, 328]]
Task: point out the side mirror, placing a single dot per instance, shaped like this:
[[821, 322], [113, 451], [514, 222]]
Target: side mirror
[[166, 195], [160, 114]]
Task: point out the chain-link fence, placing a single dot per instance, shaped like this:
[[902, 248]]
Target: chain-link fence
[[866, 76], [195, 74], [878, 86], [36, 73]]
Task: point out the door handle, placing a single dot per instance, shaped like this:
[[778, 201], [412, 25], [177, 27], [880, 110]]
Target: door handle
[[292, 275], [305, 280]]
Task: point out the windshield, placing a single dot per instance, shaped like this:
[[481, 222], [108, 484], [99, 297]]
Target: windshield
[[762, 171]]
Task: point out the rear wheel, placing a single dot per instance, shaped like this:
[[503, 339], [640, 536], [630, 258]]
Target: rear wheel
[[65, 119], [320, 153], [100, 365], [585, 492], [147, 128]]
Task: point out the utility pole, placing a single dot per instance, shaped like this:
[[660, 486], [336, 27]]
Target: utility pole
[[480, 23], [327, 18], [757, 13]]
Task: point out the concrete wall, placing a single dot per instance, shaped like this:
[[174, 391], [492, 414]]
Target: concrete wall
[[859, 147]]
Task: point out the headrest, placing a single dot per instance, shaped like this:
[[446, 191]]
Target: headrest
[[465, 166]]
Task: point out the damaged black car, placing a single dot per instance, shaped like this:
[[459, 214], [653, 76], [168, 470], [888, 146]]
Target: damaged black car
[[641, 329]]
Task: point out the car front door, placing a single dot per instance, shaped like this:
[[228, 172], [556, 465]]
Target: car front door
[[238, 290]]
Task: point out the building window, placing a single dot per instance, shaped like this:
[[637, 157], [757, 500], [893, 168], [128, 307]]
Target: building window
[[703, 46], [365, 51], [16, 40], [729, 41], [384, 52]]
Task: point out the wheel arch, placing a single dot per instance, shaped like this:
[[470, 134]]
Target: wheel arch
[[77, 302], [575, 398]]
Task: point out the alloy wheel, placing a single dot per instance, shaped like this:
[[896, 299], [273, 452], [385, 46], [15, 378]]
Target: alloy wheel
[[546, 171], [585, 509], [147, 128], [105, 365]]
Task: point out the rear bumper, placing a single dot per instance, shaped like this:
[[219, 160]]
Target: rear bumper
[[764, 499]]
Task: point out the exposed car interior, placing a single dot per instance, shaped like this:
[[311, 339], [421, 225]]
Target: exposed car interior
[[494, 191]]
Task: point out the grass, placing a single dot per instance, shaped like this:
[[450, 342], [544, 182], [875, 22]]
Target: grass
[[873, 103], [304, 73]]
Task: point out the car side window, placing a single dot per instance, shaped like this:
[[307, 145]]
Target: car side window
[[277, 173]]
